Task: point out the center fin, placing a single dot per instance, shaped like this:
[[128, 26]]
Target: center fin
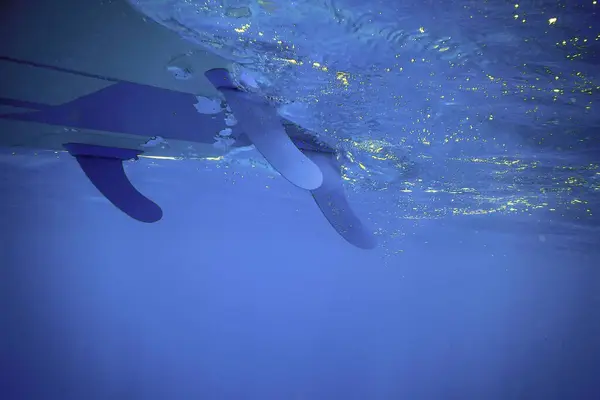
[[331, 199], [104, 168], [262, 125]]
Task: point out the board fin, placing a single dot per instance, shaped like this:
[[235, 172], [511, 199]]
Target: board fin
[[332, 201], [263, 126], [104, 168]]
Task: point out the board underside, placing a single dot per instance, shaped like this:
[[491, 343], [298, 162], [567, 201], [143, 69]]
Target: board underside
[[97, 79], [78, 79]]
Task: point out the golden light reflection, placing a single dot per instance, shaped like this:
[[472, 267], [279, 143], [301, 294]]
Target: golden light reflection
[[243, 28], [343, 77], [526, 95]]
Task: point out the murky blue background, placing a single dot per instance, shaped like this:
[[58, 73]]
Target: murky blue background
[[243, 294]]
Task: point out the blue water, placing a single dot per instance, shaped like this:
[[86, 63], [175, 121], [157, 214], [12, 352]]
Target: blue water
[[469, 134]]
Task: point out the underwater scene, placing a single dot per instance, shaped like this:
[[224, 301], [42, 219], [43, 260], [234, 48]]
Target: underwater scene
[[300, 200]]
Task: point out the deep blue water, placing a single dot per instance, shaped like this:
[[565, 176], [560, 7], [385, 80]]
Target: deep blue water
[[486, 283], [242, 295]]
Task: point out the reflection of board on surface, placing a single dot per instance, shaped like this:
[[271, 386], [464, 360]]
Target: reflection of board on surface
[[118, 113], [98, 82], [58, 56]]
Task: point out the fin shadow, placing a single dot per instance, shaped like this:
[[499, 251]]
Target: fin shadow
[[332, 201], [104, 168], [220, 78]]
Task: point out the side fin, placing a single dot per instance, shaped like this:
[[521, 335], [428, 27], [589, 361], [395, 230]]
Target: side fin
[[263, 126], [104, 168], [331, 199]]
